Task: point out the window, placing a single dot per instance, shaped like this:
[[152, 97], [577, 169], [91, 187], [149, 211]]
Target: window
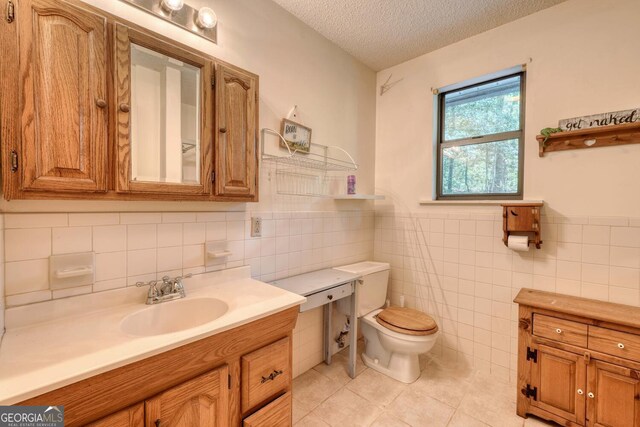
[[480, 140]]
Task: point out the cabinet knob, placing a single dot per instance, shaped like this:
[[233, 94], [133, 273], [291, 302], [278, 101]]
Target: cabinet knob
[[330, 297], [591, 395], [580, 392], [620, 345], [101, 103], [558, 331], [223, 130], [124, 107], [157, 423]]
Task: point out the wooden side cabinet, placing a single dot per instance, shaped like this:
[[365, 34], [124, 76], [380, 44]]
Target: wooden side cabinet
[[63, 98], [578, 360]]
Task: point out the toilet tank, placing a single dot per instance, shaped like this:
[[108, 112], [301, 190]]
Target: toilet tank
[[372, 293]]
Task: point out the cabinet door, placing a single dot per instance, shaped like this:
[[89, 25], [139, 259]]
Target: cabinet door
[[130, 417], [560, 378], [236, 162], [63, 60], [202, 401], [613, 396], [164, 117]]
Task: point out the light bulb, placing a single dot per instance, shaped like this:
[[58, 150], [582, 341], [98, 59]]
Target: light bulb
[[172, 5], [206, 18]]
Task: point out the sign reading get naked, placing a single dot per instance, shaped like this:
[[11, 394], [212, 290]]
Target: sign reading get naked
[[597, 120]]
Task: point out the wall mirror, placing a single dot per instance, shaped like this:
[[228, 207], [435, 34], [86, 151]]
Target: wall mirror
[[165, 118]]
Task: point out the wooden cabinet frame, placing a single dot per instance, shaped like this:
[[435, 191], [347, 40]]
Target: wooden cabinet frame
[[124, 37]]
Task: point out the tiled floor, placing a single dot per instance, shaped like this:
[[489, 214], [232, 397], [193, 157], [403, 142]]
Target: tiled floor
[[444, 395]]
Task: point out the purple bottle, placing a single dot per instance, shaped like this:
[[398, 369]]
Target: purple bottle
[[351, 184]]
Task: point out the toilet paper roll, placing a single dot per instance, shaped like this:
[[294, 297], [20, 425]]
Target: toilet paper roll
[[518, 243]]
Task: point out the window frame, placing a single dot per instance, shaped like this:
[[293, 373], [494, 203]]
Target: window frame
[[500, 136]]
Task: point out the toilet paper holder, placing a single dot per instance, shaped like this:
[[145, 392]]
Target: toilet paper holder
[[522, 219]]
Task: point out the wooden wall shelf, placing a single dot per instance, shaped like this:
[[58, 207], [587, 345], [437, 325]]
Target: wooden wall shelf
[[628, 133]]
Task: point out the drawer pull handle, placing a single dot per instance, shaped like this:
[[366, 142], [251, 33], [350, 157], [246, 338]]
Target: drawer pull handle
[[591, 395], [580, 392], [330, 297], [271, 376], [558, 331], [620, 345]]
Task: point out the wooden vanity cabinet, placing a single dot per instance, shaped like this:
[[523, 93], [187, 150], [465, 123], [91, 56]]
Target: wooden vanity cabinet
[[66, 111], [130, 417], [236, 136], [578, 360], [203, 383], [202, 401], [59, 143]]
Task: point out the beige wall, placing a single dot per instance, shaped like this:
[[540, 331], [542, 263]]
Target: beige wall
[[582, 58], [334, 92]]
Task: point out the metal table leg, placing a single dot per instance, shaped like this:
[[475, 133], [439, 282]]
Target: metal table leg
[[327, 309], [353, 342]]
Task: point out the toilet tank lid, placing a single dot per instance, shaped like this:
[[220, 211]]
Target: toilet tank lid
[[365, 267]]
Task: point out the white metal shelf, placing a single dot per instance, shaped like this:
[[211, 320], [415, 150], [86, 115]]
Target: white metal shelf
[[318, 158]]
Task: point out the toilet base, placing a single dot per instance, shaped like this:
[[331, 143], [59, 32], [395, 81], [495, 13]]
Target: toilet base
[[402, 367]]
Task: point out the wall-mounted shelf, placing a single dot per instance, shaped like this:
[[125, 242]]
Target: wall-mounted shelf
[[318, 158], [628, 133], [359, 197]]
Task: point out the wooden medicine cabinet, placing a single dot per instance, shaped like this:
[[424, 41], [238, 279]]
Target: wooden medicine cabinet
[[94, 107]]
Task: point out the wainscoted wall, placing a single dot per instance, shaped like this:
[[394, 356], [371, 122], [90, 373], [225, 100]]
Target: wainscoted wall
[[453, 264]]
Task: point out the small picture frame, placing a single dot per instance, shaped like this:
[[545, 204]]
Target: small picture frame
[[297, 136]]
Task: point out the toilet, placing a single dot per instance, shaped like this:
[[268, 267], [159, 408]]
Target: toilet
[[394, 336]]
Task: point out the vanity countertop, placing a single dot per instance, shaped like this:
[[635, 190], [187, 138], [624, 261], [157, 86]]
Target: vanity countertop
[[43, 350]]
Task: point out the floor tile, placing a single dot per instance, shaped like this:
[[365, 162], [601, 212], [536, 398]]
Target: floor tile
[[377, 388], [310, 421], [492, 402], [339, 368], [346, 408], [445, 386], [388, 420], [312, 388], [460, 419], [418, 410]]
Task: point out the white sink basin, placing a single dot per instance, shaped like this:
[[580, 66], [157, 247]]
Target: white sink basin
[[173, 316]]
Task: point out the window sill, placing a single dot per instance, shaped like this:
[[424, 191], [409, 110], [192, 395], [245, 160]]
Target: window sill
[[478, 202]]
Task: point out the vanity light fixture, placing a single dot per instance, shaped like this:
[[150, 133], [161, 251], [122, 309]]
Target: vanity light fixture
[[207, 18], [172, 5], [202, 22]]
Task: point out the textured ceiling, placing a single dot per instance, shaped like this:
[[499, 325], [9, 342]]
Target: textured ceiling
[[382, 33]]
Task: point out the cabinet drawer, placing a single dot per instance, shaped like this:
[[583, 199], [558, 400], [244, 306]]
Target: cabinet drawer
[[562, 330], [275, 414], [265, 373], [616, 343], [321, 298]]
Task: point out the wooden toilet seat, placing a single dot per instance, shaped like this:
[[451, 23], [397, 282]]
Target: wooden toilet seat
[[407, 321]]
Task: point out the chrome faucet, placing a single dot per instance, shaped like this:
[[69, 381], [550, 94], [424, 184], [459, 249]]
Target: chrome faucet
[[167, 290]]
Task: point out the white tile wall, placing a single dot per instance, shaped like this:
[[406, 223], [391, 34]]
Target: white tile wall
[[144, 246], [454, 265]]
